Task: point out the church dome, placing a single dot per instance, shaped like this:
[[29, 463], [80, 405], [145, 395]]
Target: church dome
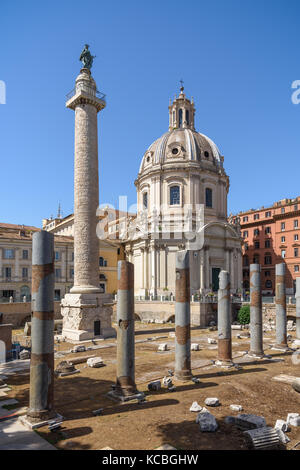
[[181, 143]]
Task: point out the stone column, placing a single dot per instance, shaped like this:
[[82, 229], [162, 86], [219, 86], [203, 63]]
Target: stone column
[[224, 321], [202, 284], [182, 317], [42, 328], [83, 308], [125, 388], [280, 300], [17, 265], [207, 268], [256, 328], [298, 308]]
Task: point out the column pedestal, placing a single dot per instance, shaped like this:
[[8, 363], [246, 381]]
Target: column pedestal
[[81, 314]]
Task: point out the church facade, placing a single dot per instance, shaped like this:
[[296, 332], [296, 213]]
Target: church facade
[[182, 190]]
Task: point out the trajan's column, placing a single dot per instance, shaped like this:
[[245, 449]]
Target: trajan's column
[[85, 311]]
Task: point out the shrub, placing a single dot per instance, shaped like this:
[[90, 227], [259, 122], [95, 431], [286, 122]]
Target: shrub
[[244, 315]]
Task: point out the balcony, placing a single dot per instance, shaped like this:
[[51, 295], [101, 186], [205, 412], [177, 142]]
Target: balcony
[[86, 90]]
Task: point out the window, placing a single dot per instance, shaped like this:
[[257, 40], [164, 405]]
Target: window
[[119, 251], [8, 273], [282, 239], [9, 254], [206, 154], [268, 284], [267, 230], [174, 195], [267, 243], [72, 255], [57, 256], [72, 273], [58, 273], [256, 259], [295, 223], [180, 118], [25, 254], [296, 250], [267, 273], [296, 268], [282, 253], [256, 245], [24, 273], [245, 261], [187, 117], [282, 226], [245, 234], [208, 197], [268, 259], [102, 262], [282, 210], [145, 199], [246, 246], [296, 237], [268, 214], [102, 287], [245, 219], [256, 232], [175, 151], [295, 207], [256, 216]]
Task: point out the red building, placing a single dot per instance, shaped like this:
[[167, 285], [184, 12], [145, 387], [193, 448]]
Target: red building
[[271, 236]]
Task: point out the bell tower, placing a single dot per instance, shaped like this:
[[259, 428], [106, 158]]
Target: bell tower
[[181, 112]]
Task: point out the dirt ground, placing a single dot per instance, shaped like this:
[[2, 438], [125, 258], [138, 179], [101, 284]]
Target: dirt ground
[[165, 416]]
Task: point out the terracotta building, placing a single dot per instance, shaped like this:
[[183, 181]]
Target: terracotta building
[[270, 236]]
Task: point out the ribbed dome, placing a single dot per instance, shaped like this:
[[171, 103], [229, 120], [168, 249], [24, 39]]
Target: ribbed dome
[[181, 144]]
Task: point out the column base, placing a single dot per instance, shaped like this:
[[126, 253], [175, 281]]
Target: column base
[[114, 395], [87, 316], [31, 422], [281, 347], [256, 355], [183, 375], [224, 364]]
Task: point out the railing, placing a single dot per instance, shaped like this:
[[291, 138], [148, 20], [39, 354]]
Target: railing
[[88, 90]]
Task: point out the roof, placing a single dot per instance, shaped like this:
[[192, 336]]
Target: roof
[[188, 144]]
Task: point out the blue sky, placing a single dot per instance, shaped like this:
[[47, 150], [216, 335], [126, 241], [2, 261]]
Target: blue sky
[[237, 58]]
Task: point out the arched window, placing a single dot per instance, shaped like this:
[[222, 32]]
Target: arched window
[[102, 262], [208, 197], [174, 195], [180, 118], [145, 200], [187, 117]]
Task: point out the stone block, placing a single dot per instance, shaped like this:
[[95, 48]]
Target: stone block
[[207, 422], [95, 362], [281, 424], [79, 348], [291, 416], [236, 407], [195, 347], [163, 347], [250, 421], [195, 407], [155, 385], [211, 341], [167, 382], [283, 438], [24, 354], [212, 402]]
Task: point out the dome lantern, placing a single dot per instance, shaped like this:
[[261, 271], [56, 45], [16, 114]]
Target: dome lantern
[[181, 112]]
